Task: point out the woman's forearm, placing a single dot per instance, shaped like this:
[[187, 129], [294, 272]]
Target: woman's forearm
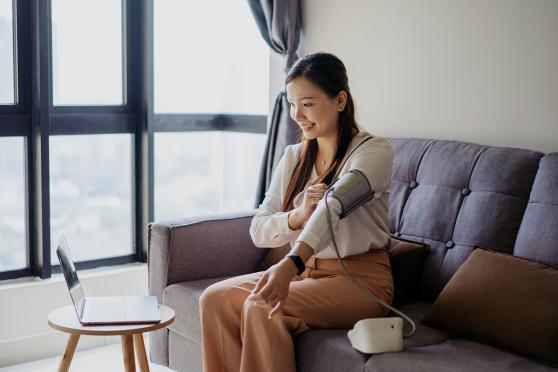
[[295, 219], [303, 250]]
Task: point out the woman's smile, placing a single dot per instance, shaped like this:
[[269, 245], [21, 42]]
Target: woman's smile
[[306, 128]]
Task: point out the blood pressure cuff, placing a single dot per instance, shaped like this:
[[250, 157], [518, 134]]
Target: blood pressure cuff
[[351, 190]]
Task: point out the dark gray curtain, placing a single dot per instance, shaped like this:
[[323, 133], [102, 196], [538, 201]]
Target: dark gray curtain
[[279, 22]]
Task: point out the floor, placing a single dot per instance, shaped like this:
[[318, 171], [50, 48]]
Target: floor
[[107, 359]]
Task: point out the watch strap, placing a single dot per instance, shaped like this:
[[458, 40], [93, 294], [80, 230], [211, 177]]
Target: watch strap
[[298, 262]]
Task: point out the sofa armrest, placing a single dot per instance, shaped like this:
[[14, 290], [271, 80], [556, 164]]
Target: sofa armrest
[[201, 247]]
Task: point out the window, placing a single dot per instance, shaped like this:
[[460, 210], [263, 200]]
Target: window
[[205, 172], [211, 72], [90, 195], [12, 204], [209, 58], [117, 113], [87, 52], [7, 85]]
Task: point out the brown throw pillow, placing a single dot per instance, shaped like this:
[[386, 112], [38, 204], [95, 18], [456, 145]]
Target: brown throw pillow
[[506, 301], [407, 259]]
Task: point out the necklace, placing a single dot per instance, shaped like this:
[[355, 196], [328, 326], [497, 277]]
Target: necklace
[[322, 161]]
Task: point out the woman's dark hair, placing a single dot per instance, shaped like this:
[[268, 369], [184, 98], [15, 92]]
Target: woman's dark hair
[[329, 74]]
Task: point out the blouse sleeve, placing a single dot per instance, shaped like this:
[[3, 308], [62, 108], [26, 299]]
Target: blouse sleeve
[[269, 227], [376, 163]]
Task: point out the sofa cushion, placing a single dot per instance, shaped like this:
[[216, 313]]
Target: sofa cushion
[[537, 239], [502, 300], [329, 350], [406, 259], [184, 354], [184, 298], [454, 195], [454, 355], [424, 334]]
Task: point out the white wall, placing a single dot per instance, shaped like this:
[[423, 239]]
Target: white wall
[[483, 71], [25, 304]]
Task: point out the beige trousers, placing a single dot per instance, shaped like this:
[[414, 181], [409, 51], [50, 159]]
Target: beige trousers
[[238, 336]]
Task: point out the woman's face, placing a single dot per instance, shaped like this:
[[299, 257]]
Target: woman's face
[[315, 112]]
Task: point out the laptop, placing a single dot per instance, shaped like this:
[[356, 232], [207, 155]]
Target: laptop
[[105, 310]]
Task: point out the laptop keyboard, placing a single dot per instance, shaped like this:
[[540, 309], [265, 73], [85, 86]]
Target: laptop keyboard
[[107, 309]]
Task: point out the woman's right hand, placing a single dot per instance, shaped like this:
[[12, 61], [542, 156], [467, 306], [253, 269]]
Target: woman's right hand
[[312, 196]]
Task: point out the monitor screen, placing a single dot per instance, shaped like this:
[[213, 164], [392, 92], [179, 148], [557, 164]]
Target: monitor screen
[[69, 270]]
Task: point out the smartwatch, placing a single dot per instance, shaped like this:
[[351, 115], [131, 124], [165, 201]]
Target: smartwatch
[[298, 262]]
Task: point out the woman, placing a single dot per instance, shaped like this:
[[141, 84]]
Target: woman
[[248, 321]]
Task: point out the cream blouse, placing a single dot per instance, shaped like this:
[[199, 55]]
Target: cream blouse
[[367, 227]]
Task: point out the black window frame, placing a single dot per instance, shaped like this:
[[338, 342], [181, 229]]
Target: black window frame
[[34, 118]]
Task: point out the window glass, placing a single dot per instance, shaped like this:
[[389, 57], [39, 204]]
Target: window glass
[[12, 204], [199, 173], [7, 86], [209, 58], [87, 52], [91, 195]]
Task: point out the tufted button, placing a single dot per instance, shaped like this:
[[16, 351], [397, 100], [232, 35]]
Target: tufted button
[[465, 191], [397, 234], [450, 244], [413, 184]]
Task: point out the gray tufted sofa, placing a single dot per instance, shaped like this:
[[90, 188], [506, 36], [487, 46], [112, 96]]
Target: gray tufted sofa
[[452, 195]]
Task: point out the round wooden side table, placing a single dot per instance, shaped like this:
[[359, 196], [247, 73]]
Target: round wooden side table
[[65, 319]]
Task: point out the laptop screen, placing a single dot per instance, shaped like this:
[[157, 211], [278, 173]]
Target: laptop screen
[[69, 270]]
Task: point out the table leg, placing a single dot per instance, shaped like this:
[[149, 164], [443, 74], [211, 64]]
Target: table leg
[[128, 351], [68, 353], [140, 350]]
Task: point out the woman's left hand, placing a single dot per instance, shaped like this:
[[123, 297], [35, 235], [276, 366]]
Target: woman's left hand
[[273, 286]]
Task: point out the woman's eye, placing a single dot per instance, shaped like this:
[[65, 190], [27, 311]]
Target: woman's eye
[[291, 104]]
